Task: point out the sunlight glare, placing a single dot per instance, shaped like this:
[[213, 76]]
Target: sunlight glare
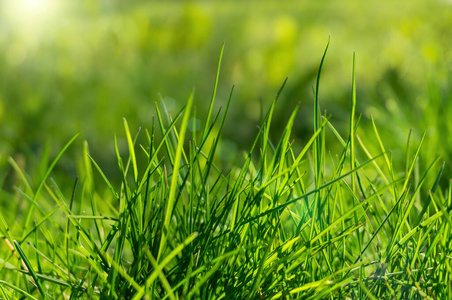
[[32, 12], [34, 4], [32, 7]]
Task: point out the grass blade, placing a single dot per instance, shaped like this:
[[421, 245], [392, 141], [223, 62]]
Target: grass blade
[[175, 177], [30, 269]]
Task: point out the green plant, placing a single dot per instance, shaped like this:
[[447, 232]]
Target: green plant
[[292, 222]]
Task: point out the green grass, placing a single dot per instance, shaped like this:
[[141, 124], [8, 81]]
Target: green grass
[[292, 221]]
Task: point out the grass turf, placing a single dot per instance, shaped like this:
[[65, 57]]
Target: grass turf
[[290, 222]]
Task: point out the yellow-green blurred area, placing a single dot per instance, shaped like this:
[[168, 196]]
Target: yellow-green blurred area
[[80, 66]]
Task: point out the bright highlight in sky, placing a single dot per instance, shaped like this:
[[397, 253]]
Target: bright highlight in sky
[[33, 7], [30, 15], [34, 3]]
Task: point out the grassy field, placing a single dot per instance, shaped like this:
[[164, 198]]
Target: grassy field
[[338, 187], [291, 221]]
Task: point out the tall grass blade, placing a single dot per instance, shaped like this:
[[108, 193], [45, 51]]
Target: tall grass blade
[[175, 177], [214, 93]]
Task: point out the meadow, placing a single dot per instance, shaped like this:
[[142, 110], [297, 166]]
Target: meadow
[[336, 187]]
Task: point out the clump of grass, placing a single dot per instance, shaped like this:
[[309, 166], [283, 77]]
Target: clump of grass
[[285, 225]]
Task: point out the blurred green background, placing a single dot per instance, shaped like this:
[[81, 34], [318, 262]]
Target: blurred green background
[[80, 66]]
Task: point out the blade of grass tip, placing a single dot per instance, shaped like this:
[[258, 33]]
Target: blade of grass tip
[[197, 152], [45, 157], [193, 126], [41, 184], [214, 93], [52, 165], [308, 144], [94, 212], [151, 141], [264, 128], [217, 139], [267, 121], [167, 135], [131, 150], [407, 154], [449, 194], [145, 151], [388, 161], [429, 198], [88, 180], [48, 216], [318, 146], [416, 155], [103, 176], [124, 188], [157, 150], [123, 169], [317, 142], [21, 175], [32, 202], [337, 134], [352, 124], [285, 141], [175, 136], [131, 143], [30, 269], [377, 167], [150, 138], [172, 136], [416, 178], [175, 176]]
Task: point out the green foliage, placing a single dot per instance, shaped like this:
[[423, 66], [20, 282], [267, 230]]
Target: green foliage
[[80, 66], [292, 221]]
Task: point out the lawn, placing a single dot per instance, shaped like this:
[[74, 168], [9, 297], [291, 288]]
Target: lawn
[[333, 183]]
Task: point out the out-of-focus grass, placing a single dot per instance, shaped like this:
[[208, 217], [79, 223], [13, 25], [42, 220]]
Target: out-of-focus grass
[[82, 66]]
